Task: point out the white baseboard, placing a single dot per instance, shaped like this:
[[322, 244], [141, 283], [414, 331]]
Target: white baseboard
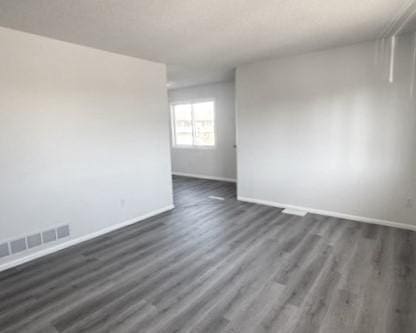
[[191, 175], [291, 211], [81, 239], [331, 214]]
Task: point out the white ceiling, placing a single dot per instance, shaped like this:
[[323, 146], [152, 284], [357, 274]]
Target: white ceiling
[[202, 41]]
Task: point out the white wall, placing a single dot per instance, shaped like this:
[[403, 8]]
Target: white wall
[[84, 137], [219, 162], [327, 131]]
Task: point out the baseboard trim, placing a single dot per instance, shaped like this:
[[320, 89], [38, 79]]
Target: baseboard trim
[[192, 175], [331, 214], [81, 239]]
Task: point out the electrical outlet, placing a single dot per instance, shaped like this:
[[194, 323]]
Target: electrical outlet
[[410, 203], [122, 203]]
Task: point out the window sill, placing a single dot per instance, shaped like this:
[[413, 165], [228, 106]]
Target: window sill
[[195, 147]]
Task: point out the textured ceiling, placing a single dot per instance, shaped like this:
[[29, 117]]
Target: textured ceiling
[[202, 41]]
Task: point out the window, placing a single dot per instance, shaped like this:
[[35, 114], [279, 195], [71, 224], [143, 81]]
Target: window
[[193, 124]]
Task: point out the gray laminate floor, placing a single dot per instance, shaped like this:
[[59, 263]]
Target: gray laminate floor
[[220, 266]]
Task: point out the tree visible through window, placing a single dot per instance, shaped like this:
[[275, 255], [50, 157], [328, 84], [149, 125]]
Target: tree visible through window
[[193, 124]]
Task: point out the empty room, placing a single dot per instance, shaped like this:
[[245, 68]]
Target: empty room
[[212, 166]]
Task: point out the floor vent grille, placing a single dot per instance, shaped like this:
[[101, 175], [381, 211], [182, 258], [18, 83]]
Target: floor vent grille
[[292, 211], [216, 198], [33, 240]]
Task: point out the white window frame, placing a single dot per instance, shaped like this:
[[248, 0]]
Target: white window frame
[[173, 124]]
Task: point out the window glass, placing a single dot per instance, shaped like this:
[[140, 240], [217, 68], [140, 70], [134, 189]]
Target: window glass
[[204, 124], [193, 124], [183, 124]]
